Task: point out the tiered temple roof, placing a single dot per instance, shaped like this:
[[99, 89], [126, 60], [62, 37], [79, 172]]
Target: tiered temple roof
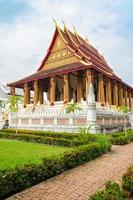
[[87, 55]]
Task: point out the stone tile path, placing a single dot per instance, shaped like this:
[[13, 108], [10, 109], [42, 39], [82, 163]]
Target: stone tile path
[[80, 182]]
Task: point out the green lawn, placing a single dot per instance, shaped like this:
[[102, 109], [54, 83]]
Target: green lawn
[[13, 152]]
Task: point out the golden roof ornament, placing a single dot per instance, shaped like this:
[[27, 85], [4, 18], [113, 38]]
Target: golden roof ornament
[[87, 40], [65, 27], [75, 32], [55, 22]]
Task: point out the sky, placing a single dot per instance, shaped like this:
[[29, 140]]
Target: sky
[[26, 30]]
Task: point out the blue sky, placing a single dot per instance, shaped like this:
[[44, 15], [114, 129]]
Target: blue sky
[[10, 9], [26, 30]]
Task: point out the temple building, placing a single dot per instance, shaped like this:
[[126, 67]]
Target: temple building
[[69, 67]]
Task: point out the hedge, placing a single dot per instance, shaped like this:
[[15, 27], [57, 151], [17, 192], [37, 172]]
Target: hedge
[[127, 180], [20, 178], [44, 140], [90, 137], [120, 138], [43, 133], [112, 191]]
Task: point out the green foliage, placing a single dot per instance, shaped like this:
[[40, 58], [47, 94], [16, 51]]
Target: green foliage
[[14, 153], [15, 180], [112, 191], [104, 142], [84, 130], [123, 109], [13, 101], [85, 149], [120, 138], [127, 180], [64, 139], [71, 107], [44, 133], [86, 138], [42, 139], [2, 104]]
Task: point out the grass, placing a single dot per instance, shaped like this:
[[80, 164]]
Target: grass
[[15, 153]]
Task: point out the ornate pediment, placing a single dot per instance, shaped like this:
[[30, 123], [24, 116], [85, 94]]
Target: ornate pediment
[[59, 55]]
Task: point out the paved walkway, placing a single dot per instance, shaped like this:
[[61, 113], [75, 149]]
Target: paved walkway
[[80, 182]]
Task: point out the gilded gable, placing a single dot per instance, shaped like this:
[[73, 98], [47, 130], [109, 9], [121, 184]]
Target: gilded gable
[[60, 55]]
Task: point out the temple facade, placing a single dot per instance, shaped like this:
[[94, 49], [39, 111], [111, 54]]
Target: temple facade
[[69, 67]]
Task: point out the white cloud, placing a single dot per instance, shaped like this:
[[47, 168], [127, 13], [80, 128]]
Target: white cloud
[[23, 43]]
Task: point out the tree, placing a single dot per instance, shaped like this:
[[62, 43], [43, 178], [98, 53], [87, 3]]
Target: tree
[[2, 104], [71, 108], [13, 105], [125, 110], [2, 117]]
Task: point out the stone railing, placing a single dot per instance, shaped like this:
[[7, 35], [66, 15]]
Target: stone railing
[[55, 118]]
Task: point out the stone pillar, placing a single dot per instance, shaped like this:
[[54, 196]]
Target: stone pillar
[[52, 89], [115, 91], [108, 92], [36, 93], [26, 94], [101, 93], [89, 78], [79, 87], [13, 90], [66, 88], [41, 92], [120, 92]]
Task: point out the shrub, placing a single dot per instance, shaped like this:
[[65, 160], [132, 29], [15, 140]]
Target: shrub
[[43, 133], [112, 191], [15, 180], [121, 140], [41, 139], [104, 142], [127, 179], [75, 136]]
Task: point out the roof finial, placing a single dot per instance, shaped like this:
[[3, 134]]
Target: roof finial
[[54, 21], [64, 24], [87, 40], [74, 30]]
